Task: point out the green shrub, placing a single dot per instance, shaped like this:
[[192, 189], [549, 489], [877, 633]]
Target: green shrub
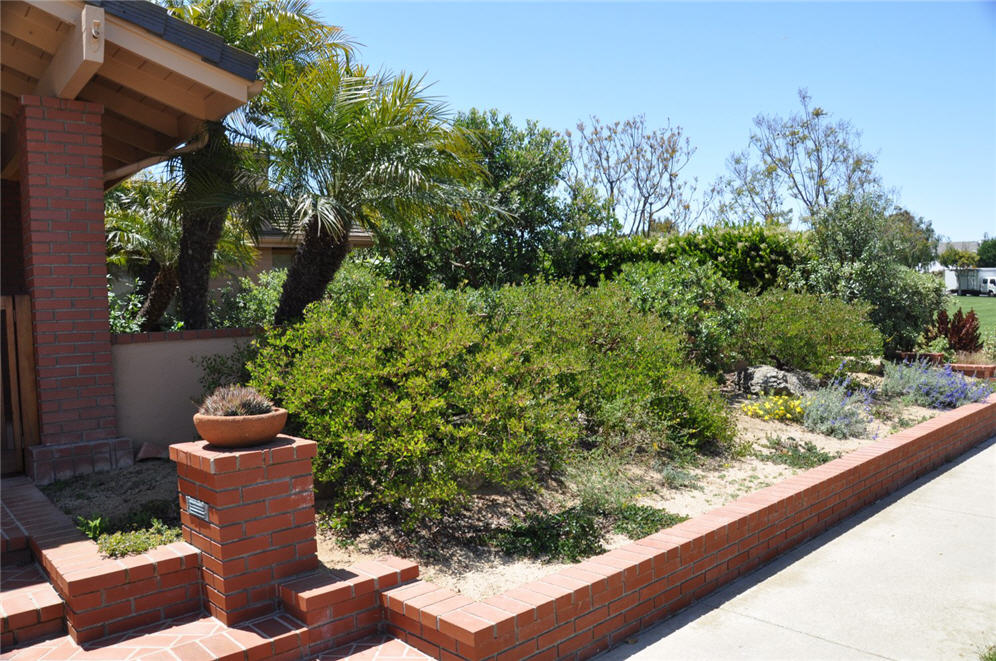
[[752, 255], [693, 300], [414, 405], [418, 399], [639, 521], [226, 368], [123, 310], [123, 543], [622, 367], [856, 257], [569, 535], [251, 304], [807, 332], [354, 284]]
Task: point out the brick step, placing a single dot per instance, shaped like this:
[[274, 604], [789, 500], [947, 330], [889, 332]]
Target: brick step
[[374, 648], [199, 636], [343, 605], [14, 549], [30, 606]]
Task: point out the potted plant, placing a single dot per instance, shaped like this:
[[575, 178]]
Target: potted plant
[[238, 416]]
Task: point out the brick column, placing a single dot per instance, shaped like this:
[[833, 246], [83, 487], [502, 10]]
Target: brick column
[[62, 219], [260, 520]]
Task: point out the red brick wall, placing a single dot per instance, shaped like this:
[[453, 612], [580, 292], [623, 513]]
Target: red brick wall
[[261, 520], [62, 216]]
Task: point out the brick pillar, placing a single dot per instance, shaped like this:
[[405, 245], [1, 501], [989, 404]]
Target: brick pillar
[[260, 525], [65, 269]]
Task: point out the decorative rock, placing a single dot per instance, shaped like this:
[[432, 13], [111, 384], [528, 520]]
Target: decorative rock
[[767, 380]]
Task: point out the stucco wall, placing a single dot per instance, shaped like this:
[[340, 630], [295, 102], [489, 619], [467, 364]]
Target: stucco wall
[[157, 387]]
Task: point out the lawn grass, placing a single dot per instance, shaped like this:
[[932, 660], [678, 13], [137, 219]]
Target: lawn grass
[[984, 306]]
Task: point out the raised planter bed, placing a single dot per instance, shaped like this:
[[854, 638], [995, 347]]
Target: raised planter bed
[[977, 371], [573, 613], [598, 603]]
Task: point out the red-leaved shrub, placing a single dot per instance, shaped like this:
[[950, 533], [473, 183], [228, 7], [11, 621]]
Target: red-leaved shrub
[[961, 330]]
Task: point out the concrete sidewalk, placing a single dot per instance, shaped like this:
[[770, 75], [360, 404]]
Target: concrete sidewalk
[[911, 577]]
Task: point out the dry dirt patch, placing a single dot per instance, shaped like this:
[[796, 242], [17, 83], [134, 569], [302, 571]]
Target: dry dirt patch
[[117, 496]]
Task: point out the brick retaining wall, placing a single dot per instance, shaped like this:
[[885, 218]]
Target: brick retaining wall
[[104, 595], [589, 607]]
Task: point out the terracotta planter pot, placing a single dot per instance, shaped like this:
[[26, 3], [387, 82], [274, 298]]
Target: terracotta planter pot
[[239, 431]]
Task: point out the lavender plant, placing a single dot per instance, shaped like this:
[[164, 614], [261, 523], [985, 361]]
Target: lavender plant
[[938, 388], [839, 409]]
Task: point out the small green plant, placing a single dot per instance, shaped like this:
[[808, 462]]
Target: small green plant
[[123, 543], [568, 535], [790, 452], [676, 477], [902, 422], [774, 407], [638, 521], [92, 528], [988, 654], [600, 481], [227, 368], [937, 345], [235, 400]]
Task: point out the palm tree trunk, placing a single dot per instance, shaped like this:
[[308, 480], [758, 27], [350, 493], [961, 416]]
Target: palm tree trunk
[[160, 294], [316, 261], [209, 179], [201, 233]]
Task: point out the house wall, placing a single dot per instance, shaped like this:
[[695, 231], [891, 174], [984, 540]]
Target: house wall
[[157, 380]]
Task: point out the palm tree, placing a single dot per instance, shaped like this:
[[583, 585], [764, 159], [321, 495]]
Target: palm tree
[[283, 34], [353, 149], [143, 235]]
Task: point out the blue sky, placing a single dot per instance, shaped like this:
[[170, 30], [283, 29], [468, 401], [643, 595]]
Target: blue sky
[[917, 79]]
